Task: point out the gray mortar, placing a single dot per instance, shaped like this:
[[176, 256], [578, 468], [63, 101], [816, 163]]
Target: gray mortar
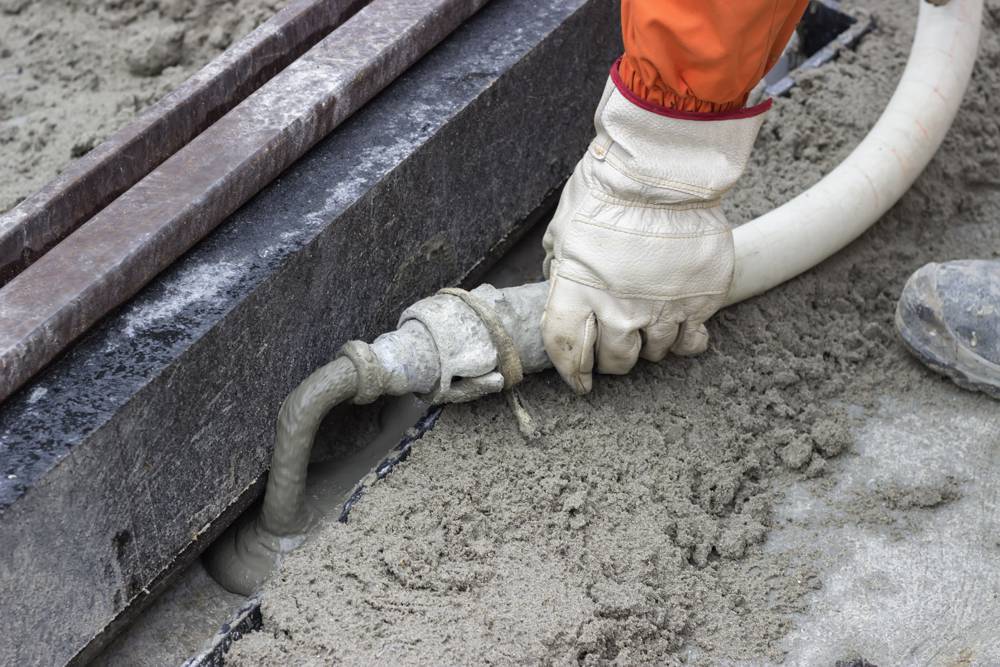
[[671, 515], [633, 531], [73, 72]]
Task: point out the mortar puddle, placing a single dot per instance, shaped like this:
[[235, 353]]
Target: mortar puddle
[[332, 483]]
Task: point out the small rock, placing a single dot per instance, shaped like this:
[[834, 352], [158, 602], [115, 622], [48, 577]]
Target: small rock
[[673, 433], [732, 544], [82, 146], [219, 37], [817, 467], [921, 496], [796, 453], [13, 6], [728, 384], [830, 437], [785, 378], [150, 56], [782, 436], [699, 554], [574, 501], [648, 435], [753, 424], [873, 332]]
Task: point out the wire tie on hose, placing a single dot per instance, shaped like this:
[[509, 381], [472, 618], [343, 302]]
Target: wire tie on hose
[[508, 360], [371, 375]]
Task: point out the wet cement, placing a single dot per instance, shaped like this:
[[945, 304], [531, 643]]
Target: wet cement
[[72, 72], [804, 492]]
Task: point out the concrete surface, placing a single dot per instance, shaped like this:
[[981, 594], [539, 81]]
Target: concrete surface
[[916, 587]]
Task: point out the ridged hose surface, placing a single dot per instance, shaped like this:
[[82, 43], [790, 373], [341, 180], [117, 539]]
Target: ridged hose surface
[[284, 513]]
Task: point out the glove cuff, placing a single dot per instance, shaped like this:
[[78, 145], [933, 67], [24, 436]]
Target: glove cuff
[[698, 156]]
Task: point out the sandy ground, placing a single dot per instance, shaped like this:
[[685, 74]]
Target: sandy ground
[[74, 71], [803, 493]]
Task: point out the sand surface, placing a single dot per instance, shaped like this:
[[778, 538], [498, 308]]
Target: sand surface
[[74, 71], [714, 510]]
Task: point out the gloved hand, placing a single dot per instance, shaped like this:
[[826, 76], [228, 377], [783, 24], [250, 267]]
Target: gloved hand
[[639, 254]]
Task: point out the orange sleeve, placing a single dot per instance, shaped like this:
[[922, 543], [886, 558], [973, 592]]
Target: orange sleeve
[[703, 55]]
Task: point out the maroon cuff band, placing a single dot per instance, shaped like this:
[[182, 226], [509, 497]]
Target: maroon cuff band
[[748, 112]]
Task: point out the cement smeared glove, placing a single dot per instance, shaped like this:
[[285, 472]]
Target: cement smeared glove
[[639, 254]]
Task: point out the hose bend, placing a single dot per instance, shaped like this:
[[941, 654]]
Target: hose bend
[[284, 513], [803, 232], [243, 557]]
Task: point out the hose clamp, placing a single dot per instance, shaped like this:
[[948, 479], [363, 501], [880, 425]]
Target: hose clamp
[[371, 376]]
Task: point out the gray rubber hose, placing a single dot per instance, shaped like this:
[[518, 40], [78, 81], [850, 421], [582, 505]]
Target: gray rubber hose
[[246, 555]]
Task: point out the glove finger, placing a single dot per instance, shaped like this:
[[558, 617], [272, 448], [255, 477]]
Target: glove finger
[[569, 338], [658, 339], [691, 339], [548, 243], [617, 349]]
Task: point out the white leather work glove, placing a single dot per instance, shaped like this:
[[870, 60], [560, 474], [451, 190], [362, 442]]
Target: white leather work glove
[[638, 253]]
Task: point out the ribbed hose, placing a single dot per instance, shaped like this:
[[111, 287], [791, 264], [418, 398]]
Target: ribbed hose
[[284, 513], [245, 555]]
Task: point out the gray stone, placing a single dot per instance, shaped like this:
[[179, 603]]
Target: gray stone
[[149, 57], [796, 453], [126, 456]]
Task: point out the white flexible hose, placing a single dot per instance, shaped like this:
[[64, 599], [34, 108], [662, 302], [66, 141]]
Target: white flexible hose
[[803, 232]]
